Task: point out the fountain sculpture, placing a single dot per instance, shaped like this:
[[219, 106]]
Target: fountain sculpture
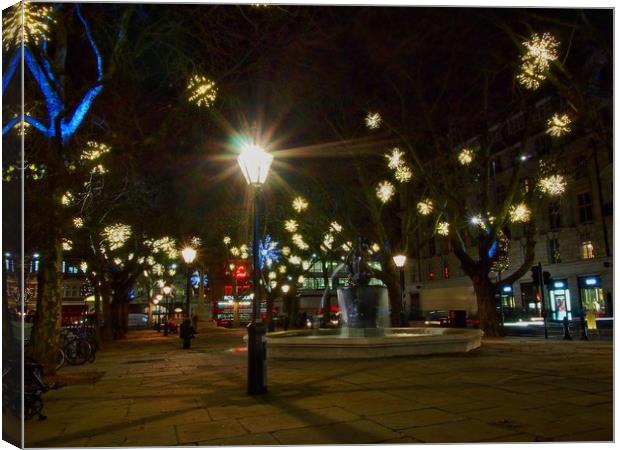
[[365, 320]]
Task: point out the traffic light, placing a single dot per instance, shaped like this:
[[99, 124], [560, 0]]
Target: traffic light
[[547, 278], [536, 275]]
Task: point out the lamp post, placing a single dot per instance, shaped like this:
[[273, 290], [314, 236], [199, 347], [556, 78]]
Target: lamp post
[[255, 163], [400, 261], [167, 290], [189, 254]]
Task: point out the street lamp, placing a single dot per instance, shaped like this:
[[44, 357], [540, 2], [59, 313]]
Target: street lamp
[[400, 261], [167, 290], [255, 163], [189, 254]]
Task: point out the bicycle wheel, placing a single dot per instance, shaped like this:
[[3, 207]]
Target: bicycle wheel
[[60, 359], [74, 353]]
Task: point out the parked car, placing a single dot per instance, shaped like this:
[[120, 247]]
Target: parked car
[[438, 318]]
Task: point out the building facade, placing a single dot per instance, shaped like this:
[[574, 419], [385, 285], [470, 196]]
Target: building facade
[[574, 240]]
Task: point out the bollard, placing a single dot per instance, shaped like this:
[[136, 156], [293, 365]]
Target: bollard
[[257, 358], [584, 328], [567, 336]]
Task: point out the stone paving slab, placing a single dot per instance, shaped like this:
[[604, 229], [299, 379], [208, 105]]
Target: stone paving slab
[[152, 393]]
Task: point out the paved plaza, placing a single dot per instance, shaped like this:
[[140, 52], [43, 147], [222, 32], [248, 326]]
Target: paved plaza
[[146, 391]]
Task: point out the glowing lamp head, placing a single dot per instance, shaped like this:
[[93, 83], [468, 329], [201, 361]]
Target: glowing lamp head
[[189, 254], [255, 163], [167, 290], [399, 260]]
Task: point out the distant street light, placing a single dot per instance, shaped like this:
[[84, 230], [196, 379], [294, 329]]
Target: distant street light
[[189, 254], [255, 163], [400, 261]]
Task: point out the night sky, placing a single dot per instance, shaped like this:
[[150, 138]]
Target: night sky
[[304, 75]]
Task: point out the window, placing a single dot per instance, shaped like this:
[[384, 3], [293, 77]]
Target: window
[[555, 217], [554, 251], [584, 204], [586, 250], [432, 251], [543, 145], [71, 290], [581, 167], [525, 185], [72, 269]]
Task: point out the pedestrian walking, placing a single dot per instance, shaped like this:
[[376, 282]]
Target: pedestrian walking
[[186, 333]]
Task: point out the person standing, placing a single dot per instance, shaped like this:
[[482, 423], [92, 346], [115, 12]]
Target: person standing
[[186, 333]]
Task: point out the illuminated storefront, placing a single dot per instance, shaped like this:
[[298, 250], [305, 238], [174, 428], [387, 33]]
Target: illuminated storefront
[[592, 295], [559, 300]]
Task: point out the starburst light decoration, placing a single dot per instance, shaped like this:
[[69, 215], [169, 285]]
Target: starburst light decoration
[[443, 228], [203, 91], [165, 245], [385, 191], [67, 198], [301, 279], [403, 174], [22, 127], [158, 269], [286, 250], [83, 266], [295, 260], [520, 213], [395, 159], [328, 241], [118, 261], [552, 185], [425, 207], [347, 246], [116, 235], [291, 225], [540, 50], [373, 120], [375, 247], [98, 169], [298, 240], [466, 156], [282, 269], [94, 150], [335, 227], [558, 125], [36, 21], [234, 251], [226, 240], [300, 204], [78, 222], [268, 252], [150, 260], [195, 241], [67, 244]]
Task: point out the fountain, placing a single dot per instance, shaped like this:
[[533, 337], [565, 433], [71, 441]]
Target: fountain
[[365, 331]]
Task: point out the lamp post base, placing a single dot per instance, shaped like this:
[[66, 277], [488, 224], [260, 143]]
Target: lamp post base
[[257, 359]]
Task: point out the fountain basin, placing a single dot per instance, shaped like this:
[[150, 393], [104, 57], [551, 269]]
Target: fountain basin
[[331, 344]]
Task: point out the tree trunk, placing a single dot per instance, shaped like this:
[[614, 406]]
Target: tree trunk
[[108, 330], [46, 330], [97, 321], [393, 288], [270, 324], [487, 310]]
